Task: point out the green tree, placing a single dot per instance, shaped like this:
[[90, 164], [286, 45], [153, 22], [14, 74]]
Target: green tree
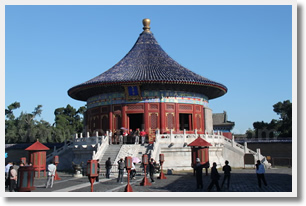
[[68, 121], [26, 128], [284, 109], [10, 123], [281, 127]]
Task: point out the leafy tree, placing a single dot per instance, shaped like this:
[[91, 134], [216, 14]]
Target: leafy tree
[[69, 121], [10, 123], [284, 109], [281, 127], [26, 128]]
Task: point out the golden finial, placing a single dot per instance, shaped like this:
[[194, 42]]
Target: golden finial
[[146, 25]]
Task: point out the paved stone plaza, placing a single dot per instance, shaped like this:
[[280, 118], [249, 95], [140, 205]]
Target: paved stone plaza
[[242, 180]]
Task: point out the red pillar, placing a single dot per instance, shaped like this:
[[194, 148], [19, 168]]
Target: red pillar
[[124, 116], [176, 118], [162, 118], [146, 118], [110, 118]]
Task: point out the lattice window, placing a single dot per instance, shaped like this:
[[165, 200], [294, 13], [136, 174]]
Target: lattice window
[[198, 108], [198, 119], [170, 106], [170, 121], [185, 107], [153, 121], [117, 122], [153, 106], [105, 123], [95, 111], [135, 107]]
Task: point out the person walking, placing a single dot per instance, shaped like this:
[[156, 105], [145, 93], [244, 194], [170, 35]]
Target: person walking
[[227, 174], [151, 169], [260, 172], [199, 172], [121, 167], [108, 167], [51, 174], [133, 171], [214, 176]]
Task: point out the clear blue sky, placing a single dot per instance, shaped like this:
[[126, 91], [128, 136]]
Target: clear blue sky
[[49, 49]]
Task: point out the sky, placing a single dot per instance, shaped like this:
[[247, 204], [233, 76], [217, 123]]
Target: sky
[[49, 49]]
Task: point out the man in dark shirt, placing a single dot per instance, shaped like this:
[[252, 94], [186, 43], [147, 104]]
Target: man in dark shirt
[[108, 166], [227, 174], [151, 169], [199, 172], [214, 176]]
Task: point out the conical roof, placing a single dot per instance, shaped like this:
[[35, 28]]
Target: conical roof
[[37, 146], [147, 64], [199, 142]]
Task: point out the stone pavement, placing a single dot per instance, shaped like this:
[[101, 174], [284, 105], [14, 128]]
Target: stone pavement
[[242, 180]]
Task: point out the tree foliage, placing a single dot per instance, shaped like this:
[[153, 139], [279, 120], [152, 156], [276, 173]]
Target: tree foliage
[[26, 127], [276, 128]]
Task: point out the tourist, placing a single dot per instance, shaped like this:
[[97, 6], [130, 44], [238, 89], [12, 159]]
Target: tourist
[[137, 136], [121, 137], [7, 169], [151, 169], [131, 136], [108, 167], [133, 171], [214, 178], [260, 172], [199, 172], [51, 174], [117, 136], [143, 136], [13, 179], [121, 167], [125, 135], [227, 174], [110, 136]]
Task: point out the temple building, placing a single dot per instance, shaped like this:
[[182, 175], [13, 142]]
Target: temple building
[[220, 123], [149, 90]]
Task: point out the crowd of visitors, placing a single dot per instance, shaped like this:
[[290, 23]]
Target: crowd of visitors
[[125, 136]]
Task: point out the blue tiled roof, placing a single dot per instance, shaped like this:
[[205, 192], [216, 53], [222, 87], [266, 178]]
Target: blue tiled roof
[[147, 63]]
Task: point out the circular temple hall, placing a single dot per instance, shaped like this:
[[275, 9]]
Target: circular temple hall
[[148, 90]]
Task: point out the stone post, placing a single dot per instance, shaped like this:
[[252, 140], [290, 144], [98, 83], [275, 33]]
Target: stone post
[[157, 135], [233, 141], [258, 153], [245, 147]]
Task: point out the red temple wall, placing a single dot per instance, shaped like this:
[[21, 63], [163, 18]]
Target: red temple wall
[[163, 116]]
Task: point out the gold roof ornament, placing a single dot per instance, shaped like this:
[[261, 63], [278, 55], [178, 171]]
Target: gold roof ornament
[[146, 25]]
